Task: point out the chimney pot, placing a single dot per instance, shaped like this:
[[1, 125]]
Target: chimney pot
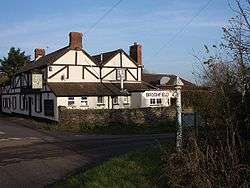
[[39, 52], [135, 53], [75, 40]]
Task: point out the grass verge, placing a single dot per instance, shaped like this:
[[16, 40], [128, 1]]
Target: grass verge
[[135, 169]]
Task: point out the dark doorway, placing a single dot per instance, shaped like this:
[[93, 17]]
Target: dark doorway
[[49, 107], [30, 106]]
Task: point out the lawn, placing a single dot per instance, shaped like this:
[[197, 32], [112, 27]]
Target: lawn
[[135, 169]]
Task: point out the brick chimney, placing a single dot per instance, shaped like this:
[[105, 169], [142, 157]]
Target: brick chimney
[[135, 53], [75, 40], [39, 52]]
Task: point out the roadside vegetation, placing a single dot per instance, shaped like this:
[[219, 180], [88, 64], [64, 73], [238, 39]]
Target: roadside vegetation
[[219, 155], [135, 169]]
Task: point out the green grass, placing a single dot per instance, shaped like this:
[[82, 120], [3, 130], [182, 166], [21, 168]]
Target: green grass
[[133, 170], [161, 127]]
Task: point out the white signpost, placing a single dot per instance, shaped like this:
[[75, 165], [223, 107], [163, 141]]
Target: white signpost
[[178, 84], [37, 81]]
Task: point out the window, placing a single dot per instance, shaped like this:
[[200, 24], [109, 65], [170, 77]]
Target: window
[[115, 100], [50, 69], [126, 100], [71, 101], [158, 101], [84, 101], [152, 101], [22, 102], [38, 102], [14, 103], [100, 100], [4, 102]]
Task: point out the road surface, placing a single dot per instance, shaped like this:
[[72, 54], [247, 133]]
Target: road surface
[[33, 158]]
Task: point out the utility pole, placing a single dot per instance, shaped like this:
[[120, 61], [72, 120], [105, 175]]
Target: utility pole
[[178, 85]]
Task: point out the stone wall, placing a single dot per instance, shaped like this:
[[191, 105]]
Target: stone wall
[[142, 116]]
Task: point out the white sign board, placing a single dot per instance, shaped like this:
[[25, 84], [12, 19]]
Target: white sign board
[[156, 94], [37, 81], [121, 74]]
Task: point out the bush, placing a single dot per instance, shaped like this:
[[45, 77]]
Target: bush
[[209, 166]]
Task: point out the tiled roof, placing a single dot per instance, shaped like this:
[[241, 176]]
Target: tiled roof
[[103, 58], [49, 59], [95, 89], [154, 79], [45, 60]]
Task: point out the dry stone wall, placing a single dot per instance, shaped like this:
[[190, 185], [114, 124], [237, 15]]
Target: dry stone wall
[[141, 116]]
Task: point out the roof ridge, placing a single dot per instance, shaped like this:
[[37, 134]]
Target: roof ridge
[[107, 52]]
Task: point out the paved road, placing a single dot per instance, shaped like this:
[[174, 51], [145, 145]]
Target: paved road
[[31, 158]]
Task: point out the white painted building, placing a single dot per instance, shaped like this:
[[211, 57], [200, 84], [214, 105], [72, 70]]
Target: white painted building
[[72, 78]]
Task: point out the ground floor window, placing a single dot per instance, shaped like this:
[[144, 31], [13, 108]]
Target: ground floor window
[[152, 101], [158, 101], [22, 102], [71, 101], [38, 102], [14, 103], [6, 103], [100, 100], [84, 101], [126, 99], [115, 100]]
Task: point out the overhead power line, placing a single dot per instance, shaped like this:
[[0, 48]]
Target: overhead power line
[[168, 43], [103, 16]]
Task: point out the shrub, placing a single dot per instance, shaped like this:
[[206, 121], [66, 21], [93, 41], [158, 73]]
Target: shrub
[[209, 166]]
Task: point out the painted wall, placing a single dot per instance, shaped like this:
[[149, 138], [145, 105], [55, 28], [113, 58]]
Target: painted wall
[[75, 66], [92, 103], [17, 109]]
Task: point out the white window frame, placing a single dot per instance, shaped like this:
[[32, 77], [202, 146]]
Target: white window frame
[[100, 100], [158, 101], [152, 101], [71, 101], [115, 100], [126, 99], [84, 101]]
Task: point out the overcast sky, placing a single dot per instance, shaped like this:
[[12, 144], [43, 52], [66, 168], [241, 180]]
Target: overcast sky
[[153, 23]]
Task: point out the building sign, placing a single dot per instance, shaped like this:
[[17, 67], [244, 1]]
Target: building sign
[[37, 81], [155, 94], [120, 74]]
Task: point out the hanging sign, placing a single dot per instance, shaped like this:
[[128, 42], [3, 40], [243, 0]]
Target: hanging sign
[[37, 81]]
